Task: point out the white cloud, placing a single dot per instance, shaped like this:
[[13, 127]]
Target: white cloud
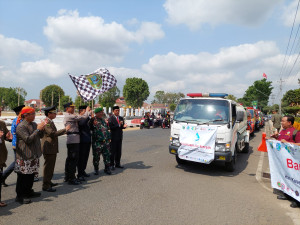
[[195, 13], [11, 49], [290, 12], [69, 30], [230, 70], [40, 69]]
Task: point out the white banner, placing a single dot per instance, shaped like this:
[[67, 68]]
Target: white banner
[[197, 143], [284, 160]]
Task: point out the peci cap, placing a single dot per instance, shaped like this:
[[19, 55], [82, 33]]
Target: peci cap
[[116, 107], [70, 104], [100, 109], [82, 107], [18, 109], [51, 109]]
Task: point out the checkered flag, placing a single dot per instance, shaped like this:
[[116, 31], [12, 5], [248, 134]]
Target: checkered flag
[[94, 84]]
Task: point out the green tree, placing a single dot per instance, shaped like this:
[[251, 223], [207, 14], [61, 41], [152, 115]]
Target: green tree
[[64, 100], [291, 102], [159, 97], [50, 95], [10, 97], [135, 91], [232, 97], [260, 91], [173, 98], [108, 99], [79, 101], [172, 107]]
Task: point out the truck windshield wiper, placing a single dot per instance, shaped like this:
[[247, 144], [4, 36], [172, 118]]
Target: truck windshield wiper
[[194, 121], [215, 120]]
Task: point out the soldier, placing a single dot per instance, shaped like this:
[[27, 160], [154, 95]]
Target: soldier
[[100, 141], [73, 142], [85, 144], [50, 148]]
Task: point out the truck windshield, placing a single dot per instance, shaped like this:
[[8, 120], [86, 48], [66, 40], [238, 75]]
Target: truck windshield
[[251, 112], [202, 111]]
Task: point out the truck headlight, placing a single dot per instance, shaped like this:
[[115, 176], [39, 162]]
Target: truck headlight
[[175, 141], [220, 147]]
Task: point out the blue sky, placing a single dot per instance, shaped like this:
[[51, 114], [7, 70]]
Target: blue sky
[[175, 45]]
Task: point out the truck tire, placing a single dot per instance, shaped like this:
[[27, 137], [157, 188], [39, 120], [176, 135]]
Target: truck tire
[[230, 166], [180, 161], [246, 148]]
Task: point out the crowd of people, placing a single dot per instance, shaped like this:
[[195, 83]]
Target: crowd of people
[[286, 133], [31, 140]]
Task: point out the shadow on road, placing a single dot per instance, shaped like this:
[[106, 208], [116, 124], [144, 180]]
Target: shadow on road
[[217, 168]]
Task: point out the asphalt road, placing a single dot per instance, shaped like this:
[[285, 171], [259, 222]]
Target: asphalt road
[[152, 189]]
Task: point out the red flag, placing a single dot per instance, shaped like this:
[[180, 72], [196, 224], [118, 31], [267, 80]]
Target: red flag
[[265, 75]]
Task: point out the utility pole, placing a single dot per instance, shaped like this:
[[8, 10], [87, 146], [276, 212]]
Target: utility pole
[[280, 94], [59, 102], [52, 99], [18, 95]]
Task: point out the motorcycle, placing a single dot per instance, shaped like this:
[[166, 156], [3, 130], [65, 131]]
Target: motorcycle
[[165, 123], [145, 123]]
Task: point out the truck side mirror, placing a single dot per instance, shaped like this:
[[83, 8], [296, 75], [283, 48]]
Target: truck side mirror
[[240, 116]]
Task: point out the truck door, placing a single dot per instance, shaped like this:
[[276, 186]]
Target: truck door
[[234, 127]]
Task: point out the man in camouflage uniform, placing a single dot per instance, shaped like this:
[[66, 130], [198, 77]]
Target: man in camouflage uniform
[[100, 141]]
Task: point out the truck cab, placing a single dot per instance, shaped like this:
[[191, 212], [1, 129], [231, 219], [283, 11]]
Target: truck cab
[[213, 110]]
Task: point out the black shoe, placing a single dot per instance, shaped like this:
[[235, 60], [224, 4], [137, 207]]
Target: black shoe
[[85, 174], [80, 178], [50, 189], [34, 194], [96, 172], [107, 171], [74, 182], [36, 179], [112, 168], [23, 200], [4, 184], [53, 184], [281, 197], [294, 204], [119, 166]]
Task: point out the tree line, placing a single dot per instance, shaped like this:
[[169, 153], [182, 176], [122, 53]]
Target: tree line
[[136, 91]]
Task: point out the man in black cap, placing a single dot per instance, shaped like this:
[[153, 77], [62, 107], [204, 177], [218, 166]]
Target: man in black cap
[[50, 147], [73, 141], [85, 144], [11, 167], [116, 124]]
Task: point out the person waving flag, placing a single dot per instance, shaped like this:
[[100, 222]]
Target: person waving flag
[[91, 85]]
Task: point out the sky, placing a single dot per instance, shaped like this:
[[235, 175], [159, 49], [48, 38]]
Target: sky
[[174, 45]]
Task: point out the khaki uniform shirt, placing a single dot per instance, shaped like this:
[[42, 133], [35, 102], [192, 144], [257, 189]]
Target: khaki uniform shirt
[[276, 119], [50, 139], [73, 136]]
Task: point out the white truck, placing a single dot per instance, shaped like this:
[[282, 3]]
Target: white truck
[[228, 118]]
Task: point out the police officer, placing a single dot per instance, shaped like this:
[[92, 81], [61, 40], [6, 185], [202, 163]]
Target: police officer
[[50, 147], [73, 142], [85, 144], [100, 141]]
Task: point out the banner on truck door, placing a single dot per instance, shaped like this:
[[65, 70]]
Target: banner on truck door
[[284, 160], [197, 143]]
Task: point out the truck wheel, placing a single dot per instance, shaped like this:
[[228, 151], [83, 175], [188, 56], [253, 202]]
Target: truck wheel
[[179, 160], [141, 126], [246, 148], [230, 166], [252, 134]]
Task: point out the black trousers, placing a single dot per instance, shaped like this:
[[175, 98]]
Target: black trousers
[[71, 161], [84, 153], [116, 152], [0, 182], [24, 185]]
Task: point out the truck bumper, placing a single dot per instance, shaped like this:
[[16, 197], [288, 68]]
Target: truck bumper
[[219, 156]]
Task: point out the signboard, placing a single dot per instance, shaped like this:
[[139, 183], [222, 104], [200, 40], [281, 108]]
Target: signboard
[[284, 160], [197, 143], [254, 103]]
